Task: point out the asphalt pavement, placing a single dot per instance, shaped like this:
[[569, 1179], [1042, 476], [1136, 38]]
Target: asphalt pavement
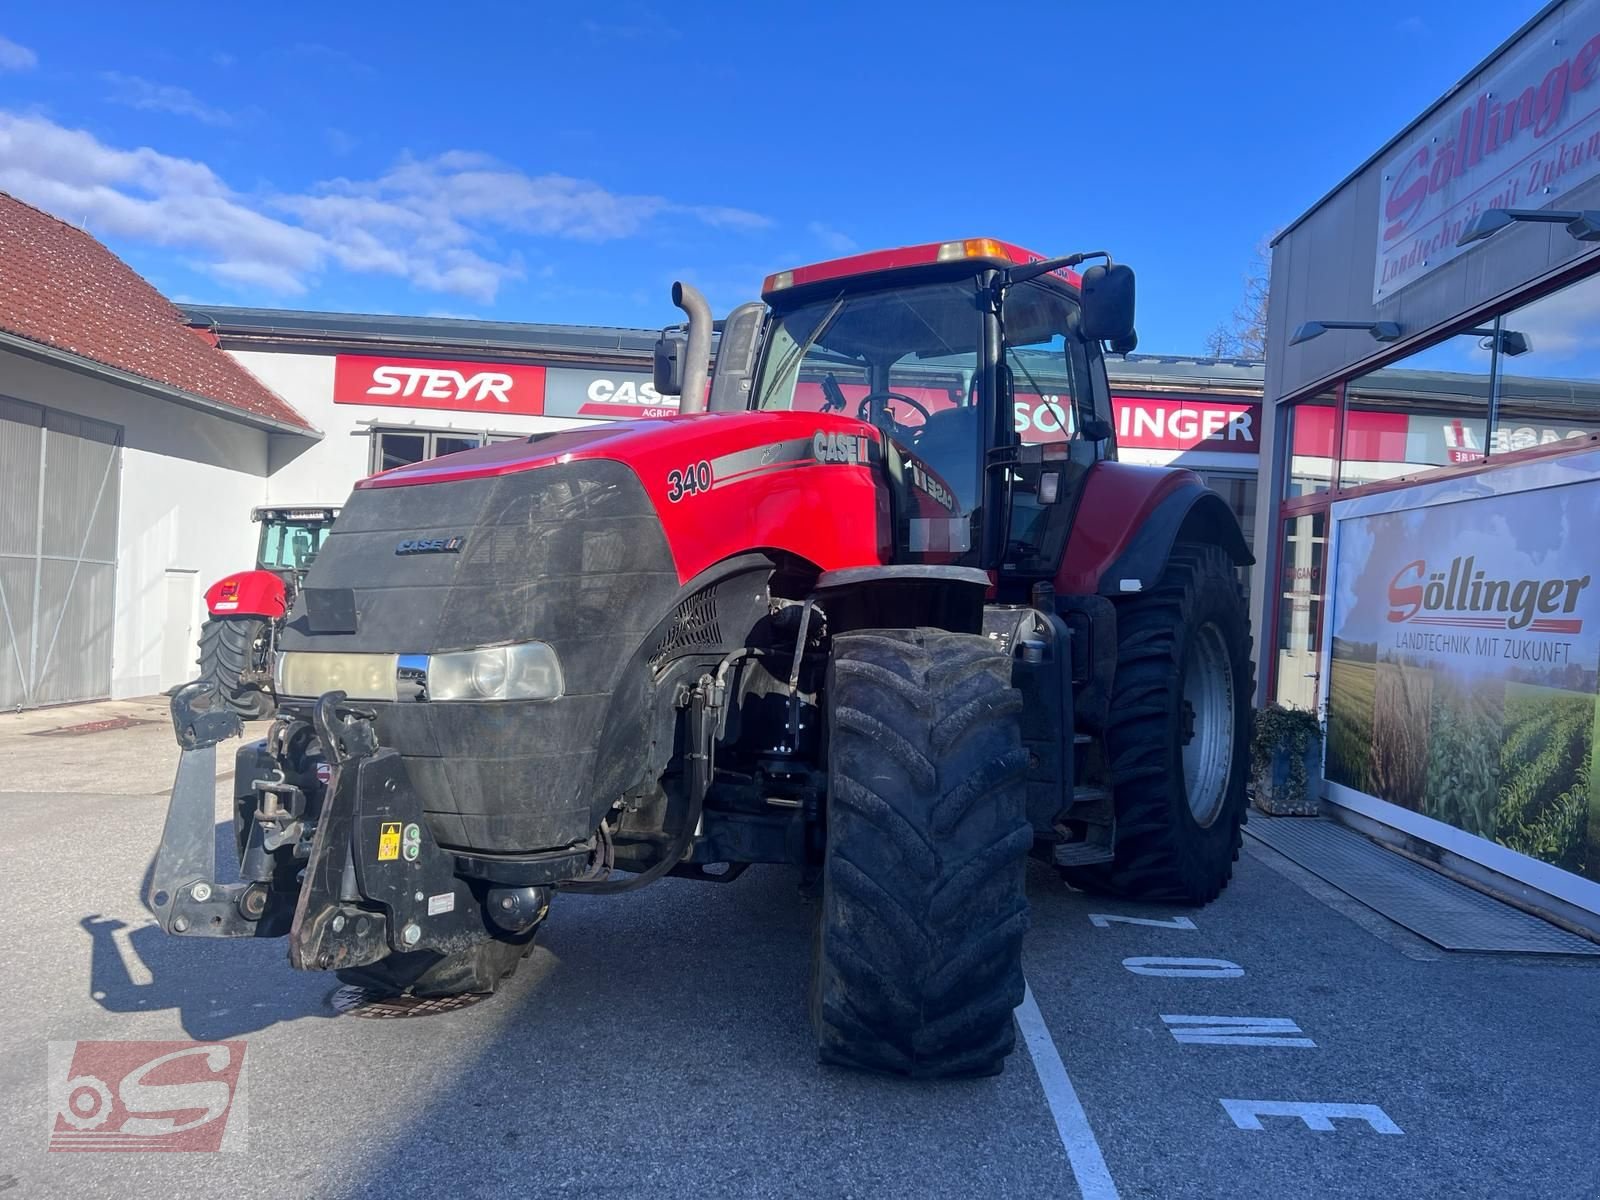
[[1282, 1042]]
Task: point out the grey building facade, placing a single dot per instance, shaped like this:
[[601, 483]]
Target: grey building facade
[[1428, 536]]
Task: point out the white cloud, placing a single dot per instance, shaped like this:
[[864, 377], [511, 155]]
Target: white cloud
[[134, 92], [441, 224], [832, 239], [14, 57], [268, 277]]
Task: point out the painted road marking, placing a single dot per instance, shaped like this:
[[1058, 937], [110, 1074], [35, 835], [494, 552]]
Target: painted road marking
[[1189, 968], [1246, 1114], [1072, 1123], [1104, 921], [1236, 1031]]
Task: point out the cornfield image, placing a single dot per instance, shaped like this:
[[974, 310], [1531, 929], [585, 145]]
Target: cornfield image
[[1351, 688], [1546, 803], [1464, 753], [1402, 700]]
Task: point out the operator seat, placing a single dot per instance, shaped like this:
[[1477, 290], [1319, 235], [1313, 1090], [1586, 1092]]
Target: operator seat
[[949, 447]]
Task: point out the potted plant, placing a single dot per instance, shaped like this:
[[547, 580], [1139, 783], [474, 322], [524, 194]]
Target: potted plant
[[1286, 762]]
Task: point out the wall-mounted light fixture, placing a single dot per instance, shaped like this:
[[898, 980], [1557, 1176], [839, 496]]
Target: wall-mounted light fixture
[[1584, 225], [1381, 331], [1511, 342]]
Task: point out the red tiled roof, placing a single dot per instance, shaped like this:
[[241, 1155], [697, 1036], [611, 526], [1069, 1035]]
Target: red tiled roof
[[61, 287]]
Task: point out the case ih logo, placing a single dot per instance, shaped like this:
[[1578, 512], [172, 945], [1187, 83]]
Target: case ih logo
[[1465, 598], [432, 383], [161, 1096], [625, 398], [444, 545]]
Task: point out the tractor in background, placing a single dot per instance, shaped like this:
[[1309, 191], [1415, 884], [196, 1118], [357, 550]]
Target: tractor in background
[[245, 612]]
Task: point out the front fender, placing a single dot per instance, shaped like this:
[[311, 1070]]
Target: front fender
[[247, 594]]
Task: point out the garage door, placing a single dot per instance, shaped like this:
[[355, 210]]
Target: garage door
[[59, 483]]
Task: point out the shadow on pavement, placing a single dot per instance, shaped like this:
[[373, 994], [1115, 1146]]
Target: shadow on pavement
[[219, 987]]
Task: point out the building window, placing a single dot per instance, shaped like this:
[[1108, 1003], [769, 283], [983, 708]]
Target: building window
[[1309, 427], [1549, 364], [1513, 381], [399, 447], [1302, 552], [1429, 409]]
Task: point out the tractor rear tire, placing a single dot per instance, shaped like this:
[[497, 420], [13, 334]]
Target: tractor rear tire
[[425, 973], [227, 650], [1178, 736], [917, 961]]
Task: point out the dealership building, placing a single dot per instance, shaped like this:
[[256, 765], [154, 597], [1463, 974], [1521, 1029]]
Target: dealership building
[[1428, 574]]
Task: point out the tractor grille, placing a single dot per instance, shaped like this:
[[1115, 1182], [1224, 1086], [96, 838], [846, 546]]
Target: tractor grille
[[693, 624]]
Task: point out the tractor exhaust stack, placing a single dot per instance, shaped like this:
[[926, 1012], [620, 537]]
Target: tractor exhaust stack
[[697, 354]]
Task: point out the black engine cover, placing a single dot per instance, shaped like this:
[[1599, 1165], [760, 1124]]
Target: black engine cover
[[570, 554]]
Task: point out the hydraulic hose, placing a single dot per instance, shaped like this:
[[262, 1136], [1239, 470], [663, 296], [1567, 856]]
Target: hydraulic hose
[[707, 698]]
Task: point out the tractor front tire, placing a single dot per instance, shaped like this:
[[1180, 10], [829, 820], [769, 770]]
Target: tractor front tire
[[227, 651], [917, 962], [425, 973], [1178, 735]]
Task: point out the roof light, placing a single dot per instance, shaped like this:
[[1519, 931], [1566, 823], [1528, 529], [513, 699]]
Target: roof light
[[778, 282], [972, 248]]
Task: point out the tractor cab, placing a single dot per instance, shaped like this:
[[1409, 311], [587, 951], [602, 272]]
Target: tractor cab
[[290, 538], [981, 366]]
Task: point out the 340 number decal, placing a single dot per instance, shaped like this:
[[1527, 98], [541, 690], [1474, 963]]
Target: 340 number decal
[[690, 481]]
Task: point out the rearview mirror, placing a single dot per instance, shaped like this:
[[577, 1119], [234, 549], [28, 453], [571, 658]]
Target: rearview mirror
[[1108, 302], [667, 370]]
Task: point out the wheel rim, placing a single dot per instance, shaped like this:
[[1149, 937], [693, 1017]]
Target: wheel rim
[[1208, 717]]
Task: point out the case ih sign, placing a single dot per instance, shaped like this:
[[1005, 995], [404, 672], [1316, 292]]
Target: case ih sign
[[1528, 134], [439, 384]]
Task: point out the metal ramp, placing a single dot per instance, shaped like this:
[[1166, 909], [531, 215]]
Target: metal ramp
[[1434, 906]]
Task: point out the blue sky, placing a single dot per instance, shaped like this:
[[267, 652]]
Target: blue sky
[[567, 162]]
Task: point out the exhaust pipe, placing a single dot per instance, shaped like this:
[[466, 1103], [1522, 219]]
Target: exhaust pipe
[[697, 354]]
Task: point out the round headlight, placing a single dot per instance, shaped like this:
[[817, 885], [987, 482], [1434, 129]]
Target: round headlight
[[489, 672]]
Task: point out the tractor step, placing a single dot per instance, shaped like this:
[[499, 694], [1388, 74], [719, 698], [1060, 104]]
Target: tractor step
[[1080, 854], [1091, 823]]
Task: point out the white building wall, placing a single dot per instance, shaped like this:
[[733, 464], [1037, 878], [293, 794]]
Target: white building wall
[[189, 481], [325, 473]]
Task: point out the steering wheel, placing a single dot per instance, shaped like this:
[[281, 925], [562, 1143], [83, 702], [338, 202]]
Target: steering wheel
[[863, 409]]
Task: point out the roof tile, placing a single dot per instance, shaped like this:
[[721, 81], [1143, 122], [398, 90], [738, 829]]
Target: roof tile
[[61, 287]]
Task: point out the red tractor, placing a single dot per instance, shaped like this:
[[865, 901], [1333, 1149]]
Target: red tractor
[[247, 610], [839, 616]]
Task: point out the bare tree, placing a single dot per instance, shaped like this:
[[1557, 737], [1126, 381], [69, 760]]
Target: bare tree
[[1245, 334]]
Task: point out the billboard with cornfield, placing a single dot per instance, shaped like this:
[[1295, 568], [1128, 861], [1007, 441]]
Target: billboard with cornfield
[[1463, 668]]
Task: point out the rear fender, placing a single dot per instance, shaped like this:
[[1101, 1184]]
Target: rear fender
[[248, 594], [1129, 519]]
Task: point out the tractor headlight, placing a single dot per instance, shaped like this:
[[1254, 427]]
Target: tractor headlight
[[358, 676], [530, 671]]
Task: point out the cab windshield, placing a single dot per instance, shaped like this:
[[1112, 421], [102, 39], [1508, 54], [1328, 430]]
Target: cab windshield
[[905, 360], [290, 545]]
